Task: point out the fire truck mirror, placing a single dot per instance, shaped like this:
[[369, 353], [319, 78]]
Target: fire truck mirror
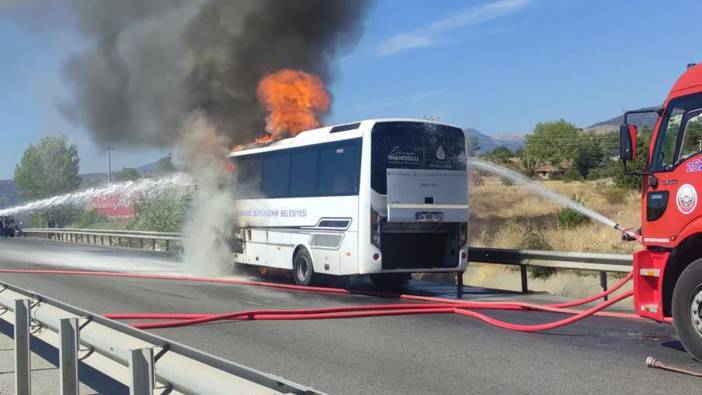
[[627, 142]]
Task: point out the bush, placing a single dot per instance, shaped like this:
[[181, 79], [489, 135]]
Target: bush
[[535, 240], [90, 219], [164, 213], [571, 174], [507, 181], [570, 218], [615, 195]]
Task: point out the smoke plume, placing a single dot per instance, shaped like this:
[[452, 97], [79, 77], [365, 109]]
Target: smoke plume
[[151, 64], [186, 72]]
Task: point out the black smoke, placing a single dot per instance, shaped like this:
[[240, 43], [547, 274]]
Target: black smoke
[[150, 64]]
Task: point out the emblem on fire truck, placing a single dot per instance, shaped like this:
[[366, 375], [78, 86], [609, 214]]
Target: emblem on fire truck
[[687, 199]]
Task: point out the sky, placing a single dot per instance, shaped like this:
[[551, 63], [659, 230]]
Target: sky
[[499, 66]]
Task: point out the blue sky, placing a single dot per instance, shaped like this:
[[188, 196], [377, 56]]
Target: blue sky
[[494, 65]]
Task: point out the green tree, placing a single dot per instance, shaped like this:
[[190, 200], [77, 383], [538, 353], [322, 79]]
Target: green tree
[[165, 165], [640, 163], [47, 169], [588, 155], [552, 142], [500, 154], [167, 213], [128, 174]]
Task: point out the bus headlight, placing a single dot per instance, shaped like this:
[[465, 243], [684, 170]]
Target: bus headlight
[[375, 228]]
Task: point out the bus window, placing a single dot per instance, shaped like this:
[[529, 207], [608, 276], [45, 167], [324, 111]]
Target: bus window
[[276, 175], [248, 171], [414, 145], [303, 169], [339, 169]]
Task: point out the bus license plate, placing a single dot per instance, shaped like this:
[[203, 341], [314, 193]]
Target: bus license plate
[[424, 216]]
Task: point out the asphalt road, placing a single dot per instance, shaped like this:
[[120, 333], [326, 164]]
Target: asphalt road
[[409, 355]]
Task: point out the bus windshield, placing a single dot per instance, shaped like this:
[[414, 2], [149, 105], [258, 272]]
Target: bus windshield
[[414, 145]]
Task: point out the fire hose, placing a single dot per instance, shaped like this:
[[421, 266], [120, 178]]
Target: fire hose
[[437, 305]]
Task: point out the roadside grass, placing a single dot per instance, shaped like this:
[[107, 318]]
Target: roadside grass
[[501, 215]]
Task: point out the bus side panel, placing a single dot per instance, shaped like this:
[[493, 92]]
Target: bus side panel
[[257, 247], [281, 245], [325, 261], [349, 254]]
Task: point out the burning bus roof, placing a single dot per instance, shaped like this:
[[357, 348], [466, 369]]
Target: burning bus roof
[[307, 137]]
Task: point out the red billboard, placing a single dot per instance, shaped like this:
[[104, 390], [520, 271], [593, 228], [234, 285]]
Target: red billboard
[[113, 206]]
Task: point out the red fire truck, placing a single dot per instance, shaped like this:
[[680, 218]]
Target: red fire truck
[[668, 272]]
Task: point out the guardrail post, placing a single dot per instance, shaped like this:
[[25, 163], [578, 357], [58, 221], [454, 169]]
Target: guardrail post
[[167, 244], [68, 355], [141, 366], [23, 361], [153, 245], [523, 273], [603, 283]]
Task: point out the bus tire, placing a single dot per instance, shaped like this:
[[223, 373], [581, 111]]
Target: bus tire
[[303, 271], [687, 309], [390, 281]]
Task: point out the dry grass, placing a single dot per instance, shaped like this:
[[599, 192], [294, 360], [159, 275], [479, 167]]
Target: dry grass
[[501, 215]]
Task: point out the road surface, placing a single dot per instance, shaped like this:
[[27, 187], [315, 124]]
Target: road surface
[[410, 354]]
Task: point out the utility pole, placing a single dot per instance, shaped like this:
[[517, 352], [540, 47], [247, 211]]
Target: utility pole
[[109, 163]]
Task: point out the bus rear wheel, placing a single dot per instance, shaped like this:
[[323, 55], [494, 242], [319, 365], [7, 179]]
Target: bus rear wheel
[[390, 281], [687, 309], [303, 272]]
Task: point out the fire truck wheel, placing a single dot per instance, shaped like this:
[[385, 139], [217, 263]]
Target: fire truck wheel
[[390, 281], [302, 268], [687, 309]]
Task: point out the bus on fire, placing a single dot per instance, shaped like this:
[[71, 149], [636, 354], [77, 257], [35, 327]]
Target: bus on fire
[[381, 197]]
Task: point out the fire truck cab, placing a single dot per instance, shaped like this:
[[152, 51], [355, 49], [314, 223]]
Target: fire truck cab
[[668, 272]]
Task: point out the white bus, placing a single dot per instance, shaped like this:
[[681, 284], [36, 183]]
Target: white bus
[[385, 197]]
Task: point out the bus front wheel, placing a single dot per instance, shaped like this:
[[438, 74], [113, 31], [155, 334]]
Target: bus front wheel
[[302, 268], [687, 309], [390, 281]]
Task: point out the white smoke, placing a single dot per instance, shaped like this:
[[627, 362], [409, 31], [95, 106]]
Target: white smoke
[[211, 220]]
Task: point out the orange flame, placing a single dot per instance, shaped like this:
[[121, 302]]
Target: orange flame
[[295, 100]]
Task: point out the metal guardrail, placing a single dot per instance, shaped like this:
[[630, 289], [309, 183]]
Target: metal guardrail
[[602, 263], [140, 360], [107, 237]]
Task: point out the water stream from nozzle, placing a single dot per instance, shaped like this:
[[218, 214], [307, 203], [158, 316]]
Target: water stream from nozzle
[[540, 190], [146, 186]]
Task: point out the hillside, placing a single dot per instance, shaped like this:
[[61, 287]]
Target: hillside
[[640, 120], [513, 141]]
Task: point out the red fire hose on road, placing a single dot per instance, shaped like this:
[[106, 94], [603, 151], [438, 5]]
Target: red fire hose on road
[[438, 305]]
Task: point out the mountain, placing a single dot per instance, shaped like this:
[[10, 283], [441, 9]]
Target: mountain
[[612, 124], [487, 143]]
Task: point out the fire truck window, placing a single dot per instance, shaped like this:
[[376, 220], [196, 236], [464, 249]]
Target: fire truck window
[[692, 139], [666, 152]]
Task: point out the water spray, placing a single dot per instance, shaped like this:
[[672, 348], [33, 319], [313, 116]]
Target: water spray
[[542, 191], [151, 187]]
